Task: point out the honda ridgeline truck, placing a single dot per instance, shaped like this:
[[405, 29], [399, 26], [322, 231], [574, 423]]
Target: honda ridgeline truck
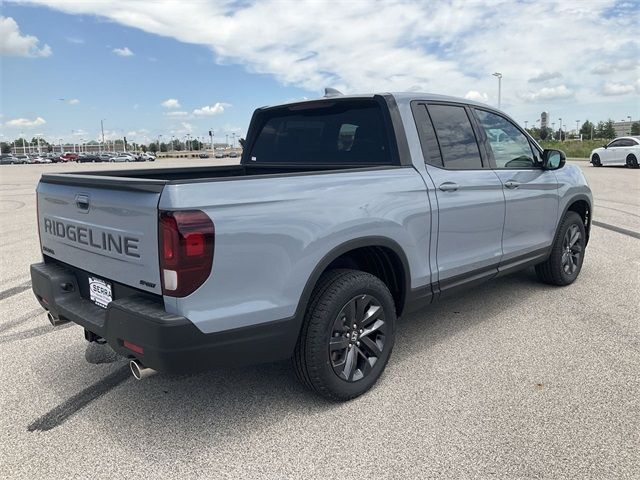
[[343, 214]]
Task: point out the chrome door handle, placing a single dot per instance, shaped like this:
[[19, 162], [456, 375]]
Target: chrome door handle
[[448, 187], [511, 184]]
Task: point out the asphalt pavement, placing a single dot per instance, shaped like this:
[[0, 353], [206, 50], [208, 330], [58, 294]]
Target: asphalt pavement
[[512, 379]]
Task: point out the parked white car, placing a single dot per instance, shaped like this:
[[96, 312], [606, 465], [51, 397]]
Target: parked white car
[[123, 157], [620, 151]]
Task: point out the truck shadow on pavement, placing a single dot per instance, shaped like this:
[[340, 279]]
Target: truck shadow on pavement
[[231, 402]]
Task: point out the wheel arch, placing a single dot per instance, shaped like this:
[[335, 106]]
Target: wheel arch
[[581, 204], [380, 256]]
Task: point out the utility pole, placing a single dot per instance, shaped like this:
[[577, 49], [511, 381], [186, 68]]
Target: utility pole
[[211, 139], [577, 132], [526, 122], [102, 128], [499, 76]]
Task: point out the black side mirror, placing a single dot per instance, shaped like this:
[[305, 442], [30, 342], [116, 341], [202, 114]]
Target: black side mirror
[[605, 146], [553, 159]]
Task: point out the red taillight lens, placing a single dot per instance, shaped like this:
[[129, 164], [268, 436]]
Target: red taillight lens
[[186, 251]]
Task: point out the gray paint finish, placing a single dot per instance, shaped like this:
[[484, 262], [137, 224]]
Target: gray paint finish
[[272, 232]]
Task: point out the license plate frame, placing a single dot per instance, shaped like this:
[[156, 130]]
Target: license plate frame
[[100, 291]]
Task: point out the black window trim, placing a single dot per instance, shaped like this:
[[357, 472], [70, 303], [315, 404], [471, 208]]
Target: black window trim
[[484, 160], [532, 144]]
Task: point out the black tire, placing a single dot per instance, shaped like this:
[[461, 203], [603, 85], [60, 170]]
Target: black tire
[[319, 354], [565, 261], [595, 160], [632, 161]]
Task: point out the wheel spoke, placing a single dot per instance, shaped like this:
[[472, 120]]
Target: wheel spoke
[[575, 236], [350, 312], [361, 306], [350, 364], [376, 326], [371, 315], [338, 343], [371, 345]]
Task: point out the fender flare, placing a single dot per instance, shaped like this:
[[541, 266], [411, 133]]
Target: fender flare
[[371, 241], [574, 199]]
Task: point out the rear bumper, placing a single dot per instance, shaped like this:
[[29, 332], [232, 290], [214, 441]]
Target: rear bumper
[[170, 343]]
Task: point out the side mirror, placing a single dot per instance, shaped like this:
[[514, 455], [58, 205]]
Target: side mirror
[[553, 159], [605, 146]]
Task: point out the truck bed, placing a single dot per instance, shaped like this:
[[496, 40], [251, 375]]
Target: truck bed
[[154, 179]]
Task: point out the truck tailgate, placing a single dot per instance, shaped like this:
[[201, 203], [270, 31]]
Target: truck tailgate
[[111, 232]]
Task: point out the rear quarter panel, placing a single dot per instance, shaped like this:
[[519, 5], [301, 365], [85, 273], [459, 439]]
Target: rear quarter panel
[[272, 232]]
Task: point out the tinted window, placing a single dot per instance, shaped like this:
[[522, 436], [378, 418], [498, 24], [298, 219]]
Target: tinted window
[[327, 133], [616, 143], [456, 138], [428, 141], [509, 146]]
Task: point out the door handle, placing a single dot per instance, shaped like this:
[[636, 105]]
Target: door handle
[[448, 187], [511, 184]]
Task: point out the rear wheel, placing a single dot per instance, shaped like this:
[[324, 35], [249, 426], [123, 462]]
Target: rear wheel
[[595, 160], [567, 253], [632, 161], [347, 335]]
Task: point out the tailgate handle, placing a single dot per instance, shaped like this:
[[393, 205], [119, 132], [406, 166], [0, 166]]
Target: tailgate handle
[[82, 202]]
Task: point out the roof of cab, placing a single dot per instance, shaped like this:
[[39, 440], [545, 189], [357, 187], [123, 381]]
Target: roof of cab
[[400, 97]]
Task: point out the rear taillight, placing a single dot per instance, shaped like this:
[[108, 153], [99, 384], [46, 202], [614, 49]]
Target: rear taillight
[[186, 251]]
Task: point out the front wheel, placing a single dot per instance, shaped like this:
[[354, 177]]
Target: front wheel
[[567, 253], [347, 335]]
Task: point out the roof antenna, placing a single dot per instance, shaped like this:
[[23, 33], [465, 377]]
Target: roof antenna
[[331, 92]]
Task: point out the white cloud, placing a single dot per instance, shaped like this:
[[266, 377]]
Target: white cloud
[[13, 43], [208, 110], [177, 113], [547, 93], [477, 96], [77, 41], [74, 101], [123, 52], [171, 103], [611, 89], [25, 122], [79, 133], [442, 47], [544, 76]]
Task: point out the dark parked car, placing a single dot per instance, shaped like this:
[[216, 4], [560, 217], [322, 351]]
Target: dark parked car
[[88, 157]]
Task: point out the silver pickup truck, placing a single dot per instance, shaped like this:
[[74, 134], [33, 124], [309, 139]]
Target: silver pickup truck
[[343, 214]]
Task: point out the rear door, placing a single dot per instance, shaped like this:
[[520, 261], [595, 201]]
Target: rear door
[[470, 202], [529, 190], [109, 232]]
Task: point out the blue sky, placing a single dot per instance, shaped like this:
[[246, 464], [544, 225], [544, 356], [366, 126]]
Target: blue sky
[[62, 73]]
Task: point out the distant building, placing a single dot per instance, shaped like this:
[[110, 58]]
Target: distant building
[[622, 128], [544, 120]]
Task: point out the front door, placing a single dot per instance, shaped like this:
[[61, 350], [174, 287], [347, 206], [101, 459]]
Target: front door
[[470, 202], [529, 190]]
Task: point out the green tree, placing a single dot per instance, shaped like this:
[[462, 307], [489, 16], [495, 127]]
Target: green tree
[[586, 128], [635, 128], [609, 132], [544, 133], [153, 146], [600, 130], [5, 147]]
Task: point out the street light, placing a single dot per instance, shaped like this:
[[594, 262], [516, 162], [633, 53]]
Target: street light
[[499, 75], [526, 122], [560, 128], [577, 123]]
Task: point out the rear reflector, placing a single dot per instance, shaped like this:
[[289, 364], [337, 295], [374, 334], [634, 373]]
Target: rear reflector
[[186, 251], [133, 347]]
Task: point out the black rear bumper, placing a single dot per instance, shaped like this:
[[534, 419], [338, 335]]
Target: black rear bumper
[[170, 343]]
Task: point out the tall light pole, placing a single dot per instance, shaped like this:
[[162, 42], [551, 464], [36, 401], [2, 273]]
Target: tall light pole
[[499, 75], [102, 128], [560, 130], [577, 123], [24, 151], [159, 149], [526, 122]]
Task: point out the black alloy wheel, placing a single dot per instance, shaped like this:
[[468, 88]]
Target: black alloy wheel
[[358, 338], [572, 249]]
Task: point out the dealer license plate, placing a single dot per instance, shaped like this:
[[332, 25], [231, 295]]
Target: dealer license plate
[[100, 292]]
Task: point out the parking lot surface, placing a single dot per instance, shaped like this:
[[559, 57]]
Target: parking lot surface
[[513, 379]]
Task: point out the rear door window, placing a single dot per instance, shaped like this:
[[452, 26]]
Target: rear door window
[[457, 140], [341, 133]]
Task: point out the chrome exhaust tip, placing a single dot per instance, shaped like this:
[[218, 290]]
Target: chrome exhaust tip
[[56, 321], [139, 371]]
